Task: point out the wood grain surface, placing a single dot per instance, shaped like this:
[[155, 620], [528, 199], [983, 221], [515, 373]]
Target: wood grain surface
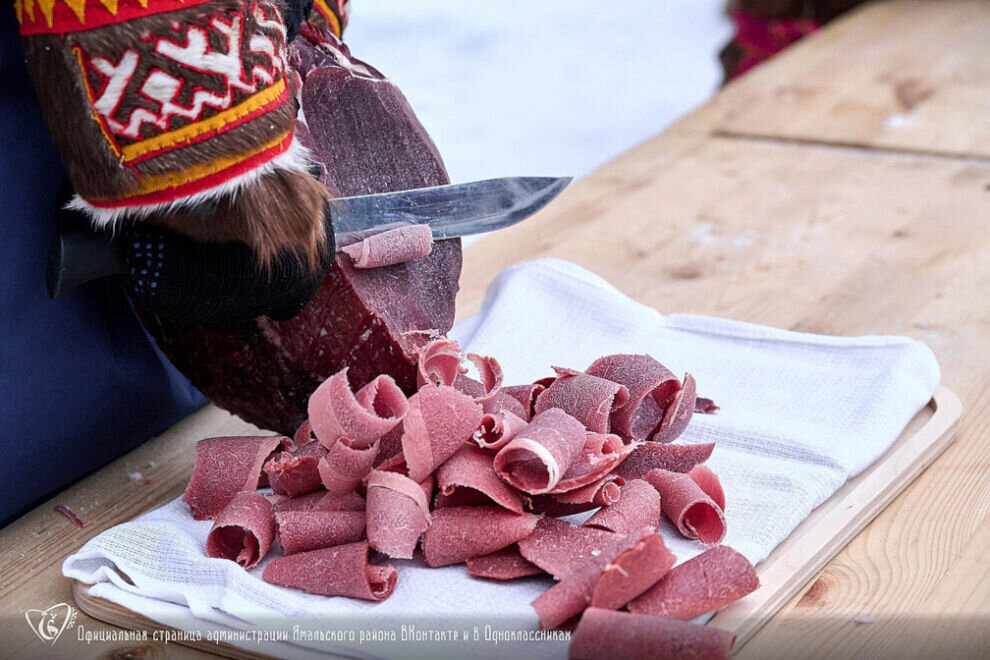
[[800, 234], [906, 76]]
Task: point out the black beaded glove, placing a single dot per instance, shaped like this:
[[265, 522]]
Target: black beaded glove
[[180, 279]]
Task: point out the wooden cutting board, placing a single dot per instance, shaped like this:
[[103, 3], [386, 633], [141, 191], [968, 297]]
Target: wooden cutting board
[[789, 570]]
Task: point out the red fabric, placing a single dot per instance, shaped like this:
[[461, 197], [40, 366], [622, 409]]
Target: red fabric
[[760, 38], [95, 14], [191, 187]]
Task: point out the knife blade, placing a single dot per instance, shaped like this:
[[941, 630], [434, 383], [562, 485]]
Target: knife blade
[[80, 254], [452, 210]]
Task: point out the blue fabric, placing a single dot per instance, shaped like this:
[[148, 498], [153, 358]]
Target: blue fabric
[[80, 381]]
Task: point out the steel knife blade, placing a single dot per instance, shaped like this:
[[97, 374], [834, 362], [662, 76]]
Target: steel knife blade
[[457, 209]]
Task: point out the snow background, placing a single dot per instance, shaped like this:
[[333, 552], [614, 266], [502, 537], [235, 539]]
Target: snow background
[[524, 87]]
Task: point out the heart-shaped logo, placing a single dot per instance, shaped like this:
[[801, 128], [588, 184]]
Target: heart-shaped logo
[[49, 624]]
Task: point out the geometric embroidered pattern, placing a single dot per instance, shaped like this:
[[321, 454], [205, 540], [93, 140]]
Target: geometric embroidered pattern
[[157, 101], [155, 189], [182, 87], [62, 16]]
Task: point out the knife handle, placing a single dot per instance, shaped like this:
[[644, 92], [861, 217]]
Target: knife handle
[[80, 254]]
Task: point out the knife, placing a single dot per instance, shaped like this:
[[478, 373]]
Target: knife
[[80, 254]]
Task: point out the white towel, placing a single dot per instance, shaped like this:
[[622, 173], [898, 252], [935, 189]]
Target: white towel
[[799, 415]]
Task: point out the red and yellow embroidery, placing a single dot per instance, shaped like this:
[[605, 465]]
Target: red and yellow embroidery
[[64, 16], [197, 178], [185, 102], [255, 106], [143, 99]]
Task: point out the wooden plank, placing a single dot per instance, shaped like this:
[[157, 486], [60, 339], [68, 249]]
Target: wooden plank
[[907, 75], [788, 568], [811, 239]]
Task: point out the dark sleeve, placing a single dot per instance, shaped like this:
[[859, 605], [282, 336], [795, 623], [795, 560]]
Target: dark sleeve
[[80, 381]]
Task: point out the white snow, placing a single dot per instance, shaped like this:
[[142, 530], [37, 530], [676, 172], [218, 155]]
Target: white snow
[[522, 87]]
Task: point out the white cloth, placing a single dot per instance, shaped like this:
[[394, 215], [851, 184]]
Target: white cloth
[[799, 415]]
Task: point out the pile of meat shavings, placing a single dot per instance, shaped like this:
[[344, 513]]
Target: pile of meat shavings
[[472, 471]]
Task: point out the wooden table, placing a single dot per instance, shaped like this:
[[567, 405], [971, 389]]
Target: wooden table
[[841, 188]]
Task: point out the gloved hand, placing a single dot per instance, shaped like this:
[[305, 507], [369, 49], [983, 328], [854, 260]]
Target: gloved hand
[[177, 278]]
